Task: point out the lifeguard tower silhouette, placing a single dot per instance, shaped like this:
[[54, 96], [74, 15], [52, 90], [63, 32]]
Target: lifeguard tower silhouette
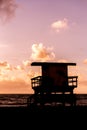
[[54, 85]]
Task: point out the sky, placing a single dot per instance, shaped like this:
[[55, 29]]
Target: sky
[[41, 30]]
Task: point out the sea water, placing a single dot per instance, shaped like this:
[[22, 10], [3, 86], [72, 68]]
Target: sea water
[[20, 100]]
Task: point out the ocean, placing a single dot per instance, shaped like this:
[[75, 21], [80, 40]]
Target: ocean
[[14, 100], [20, 100]]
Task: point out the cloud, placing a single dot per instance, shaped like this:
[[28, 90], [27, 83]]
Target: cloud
[[60, 25], [15, 79], [26, 63], [7, 9], [42, 53], [5, 65]]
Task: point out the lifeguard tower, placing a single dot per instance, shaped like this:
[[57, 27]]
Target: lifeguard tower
[[54, 84]]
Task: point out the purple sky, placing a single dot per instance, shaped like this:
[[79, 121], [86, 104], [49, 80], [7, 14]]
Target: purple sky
[[42, 29]]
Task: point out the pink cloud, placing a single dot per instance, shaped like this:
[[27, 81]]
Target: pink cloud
[[60, 24], [7, 9]]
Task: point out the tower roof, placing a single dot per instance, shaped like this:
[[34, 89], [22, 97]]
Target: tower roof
[[52, 63]]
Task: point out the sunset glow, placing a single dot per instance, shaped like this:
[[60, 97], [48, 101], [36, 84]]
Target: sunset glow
[[41, 30]]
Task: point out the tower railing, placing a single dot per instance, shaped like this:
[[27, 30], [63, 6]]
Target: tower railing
[[45, 82]]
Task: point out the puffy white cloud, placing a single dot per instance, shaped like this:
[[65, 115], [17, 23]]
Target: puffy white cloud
[[42, 53], [60, 24]]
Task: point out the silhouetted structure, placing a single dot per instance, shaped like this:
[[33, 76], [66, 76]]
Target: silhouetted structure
[[54, 86]]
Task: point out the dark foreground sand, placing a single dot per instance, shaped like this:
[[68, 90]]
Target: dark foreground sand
[[40, 117]]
